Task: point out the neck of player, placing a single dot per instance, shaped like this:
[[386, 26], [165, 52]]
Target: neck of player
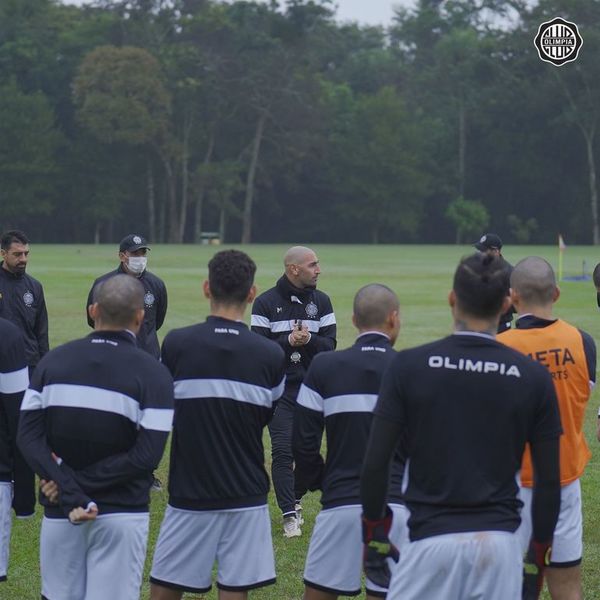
[[232, 312]]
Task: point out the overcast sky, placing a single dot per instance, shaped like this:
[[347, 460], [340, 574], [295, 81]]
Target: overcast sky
[[372, 12]]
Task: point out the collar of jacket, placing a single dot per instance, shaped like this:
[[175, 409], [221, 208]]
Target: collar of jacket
[[288, 289], [10, 274]]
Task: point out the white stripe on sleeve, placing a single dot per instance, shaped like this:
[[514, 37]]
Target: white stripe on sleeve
[[14, 382], [308, 398]]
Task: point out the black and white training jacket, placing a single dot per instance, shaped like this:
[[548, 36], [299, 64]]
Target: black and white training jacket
[[105, 409], [274, 314], [226, 380]]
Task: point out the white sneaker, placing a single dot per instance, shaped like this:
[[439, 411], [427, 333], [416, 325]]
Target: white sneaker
[[291, 527], [298, 509]]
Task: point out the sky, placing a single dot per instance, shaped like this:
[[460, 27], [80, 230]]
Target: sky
[[368, 12]]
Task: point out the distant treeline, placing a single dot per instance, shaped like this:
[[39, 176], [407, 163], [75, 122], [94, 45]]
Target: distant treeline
[[271, 122]]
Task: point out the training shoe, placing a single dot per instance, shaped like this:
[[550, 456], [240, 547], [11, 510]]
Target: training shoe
[[291, 527], [157, 485], [298, 509]]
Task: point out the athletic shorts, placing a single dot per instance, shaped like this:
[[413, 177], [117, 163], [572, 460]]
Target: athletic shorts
[[97, 560], [459, 566], [334, 560], [567, 543], [191, 541], [5, 525]]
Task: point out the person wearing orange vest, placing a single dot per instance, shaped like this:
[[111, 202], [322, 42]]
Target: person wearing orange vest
[[570, 356]]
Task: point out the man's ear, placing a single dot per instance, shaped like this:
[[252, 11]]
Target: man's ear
[[251, 295], [452, 298], [93, 311], [556, 294], [206, 289]]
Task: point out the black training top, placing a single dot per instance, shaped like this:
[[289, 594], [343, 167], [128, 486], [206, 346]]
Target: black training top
[[155, 307], [467, 405], [227, 380], [105, 408], [22, 302], [275, 312], [339, 393], [14, 379]]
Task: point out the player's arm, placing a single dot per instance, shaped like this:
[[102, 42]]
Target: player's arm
[[309, 423], [261, 323], [32, 441], [161, 309], [145, 455], [326, 338], [41, 325]]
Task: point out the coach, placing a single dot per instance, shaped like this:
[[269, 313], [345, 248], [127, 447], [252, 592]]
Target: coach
[[22, 302], [339, 394], [464, 406], [94, 424], [14, 379], [133, 251], [300, 319]]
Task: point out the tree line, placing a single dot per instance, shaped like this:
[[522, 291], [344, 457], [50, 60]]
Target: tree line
[[273, 122]]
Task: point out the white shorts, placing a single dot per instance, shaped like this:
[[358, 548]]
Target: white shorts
[[96, 560], [459, 566], [567, 543], [334, 560], [5, 526], [190, 541]]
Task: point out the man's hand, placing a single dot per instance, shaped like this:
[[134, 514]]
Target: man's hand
[[81, 515], [534, 563], [299, 337], [50, 490], [378, 548]]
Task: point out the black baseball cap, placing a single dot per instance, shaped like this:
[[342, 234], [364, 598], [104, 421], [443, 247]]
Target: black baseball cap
[[488, 241], [133, 242]]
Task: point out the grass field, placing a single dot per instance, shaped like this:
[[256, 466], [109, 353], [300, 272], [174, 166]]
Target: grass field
[[421, 275]]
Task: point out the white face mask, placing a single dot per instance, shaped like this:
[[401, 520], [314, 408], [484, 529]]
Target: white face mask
[[137, 264]]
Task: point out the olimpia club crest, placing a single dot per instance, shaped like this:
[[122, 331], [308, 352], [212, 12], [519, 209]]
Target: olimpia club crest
[[137, 239], [149, 299], [311, 310], [28, 298], [558, 41]]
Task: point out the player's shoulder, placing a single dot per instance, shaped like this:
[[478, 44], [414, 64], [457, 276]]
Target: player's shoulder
[[189, 333], [32, 281], [153, 279], [267, 296], [322, 296], [260, 343], [104, 277]]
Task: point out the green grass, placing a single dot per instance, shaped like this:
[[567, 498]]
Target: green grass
[[421, 275]]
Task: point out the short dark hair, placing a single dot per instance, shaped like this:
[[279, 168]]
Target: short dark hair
[[118, 299], [481, 284], [10, 237], [230, 276], [372, 305], [596, 275]]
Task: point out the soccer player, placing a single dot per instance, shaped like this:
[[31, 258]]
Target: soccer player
[[300, 319], [94, 424], [227, 380], [464, 407], [491, 244], [569, 354], [339, 393], [14, 379], [133, 251], [22, 302]]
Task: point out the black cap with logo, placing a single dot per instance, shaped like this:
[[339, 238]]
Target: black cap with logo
[[488, 241], [133, 242]]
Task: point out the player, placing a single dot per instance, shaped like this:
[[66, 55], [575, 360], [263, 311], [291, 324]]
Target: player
[[464, 407], [300, 319], [133, 251], [339, 393], [227, 380], [22, 302], [570, 356], [491, 244], [14, 379], [94, 424]]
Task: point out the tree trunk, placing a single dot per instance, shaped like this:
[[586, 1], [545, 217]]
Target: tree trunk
[[151, 201], [222, 224], [97, 233], [247, 214], [462, 144], [201, 191], [187, 127], [589, 142]]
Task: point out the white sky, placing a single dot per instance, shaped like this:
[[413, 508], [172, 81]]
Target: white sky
[[372, 12]]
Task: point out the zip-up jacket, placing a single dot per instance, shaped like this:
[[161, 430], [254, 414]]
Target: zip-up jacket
[[104, 408], [274, 314], [155, 307], [22, 302]]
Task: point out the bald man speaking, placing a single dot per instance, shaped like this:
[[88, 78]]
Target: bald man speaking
[[300, 319]]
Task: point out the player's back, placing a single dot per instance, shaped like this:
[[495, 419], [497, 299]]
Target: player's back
[[469, 404], [226, 381]]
